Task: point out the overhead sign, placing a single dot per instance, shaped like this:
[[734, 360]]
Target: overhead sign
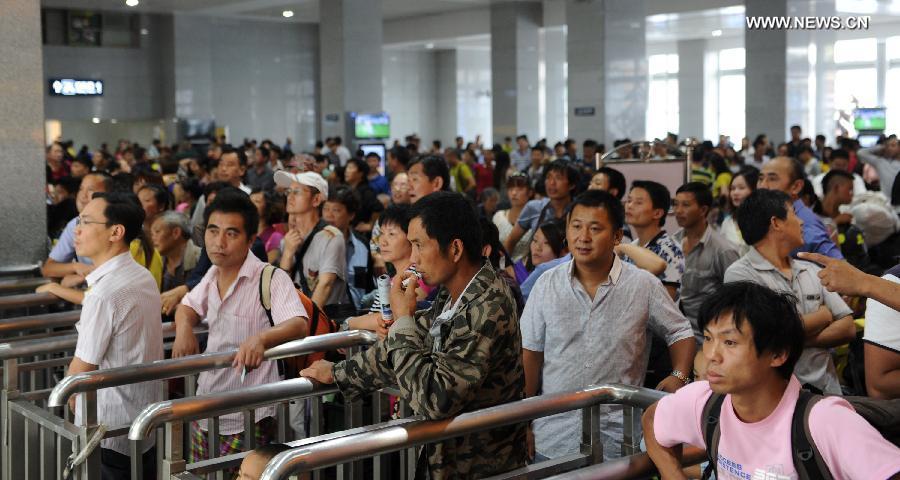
[[584, 111], [70, 87]]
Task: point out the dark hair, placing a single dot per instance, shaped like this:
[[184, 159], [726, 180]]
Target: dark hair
[[702, 193], [347, 197], [124, 209], [616, 180], [434, 167], [490, 235], [773, 316], [659, 196], [447, 216], [833, 175], [274, 211], [192, 185], [501, 166], [242, 157], [122, 182], [396, 215], [522, 137], [268, 452], [264, 151], [109, 183], [798, 171], [840, 153], [160, 194], [214, 187], [755, 213], [717, 162], [796, 127], [601, 199], [232, 200], [360, 165], [555, 233], [565, 168]]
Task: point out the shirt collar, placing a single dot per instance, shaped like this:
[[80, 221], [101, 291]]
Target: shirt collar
[[757, 261], [113, 263], [614, 272], [679, 235]]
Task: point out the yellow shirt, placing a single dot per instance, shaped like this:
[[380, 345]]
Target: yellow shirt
[[722, 181], [156, 264]]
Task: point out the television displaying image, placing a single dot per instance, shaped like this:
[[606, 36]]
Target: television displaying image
[[378, 149], [869, 119], [372, 125]]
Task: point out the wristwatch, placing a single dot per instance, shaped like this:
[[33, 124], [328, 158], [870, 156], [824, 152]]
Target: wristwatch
[[681, 376]]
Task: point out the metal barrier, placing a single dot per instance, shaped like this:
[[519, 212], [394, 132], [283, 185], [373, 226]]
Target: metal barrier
[[629, 468], [21, 285], [23, 395], [341, 450], [25, 300], [38, 420]]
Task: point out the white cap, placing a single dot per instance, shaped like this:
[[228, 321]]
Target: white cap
[[310, 179]]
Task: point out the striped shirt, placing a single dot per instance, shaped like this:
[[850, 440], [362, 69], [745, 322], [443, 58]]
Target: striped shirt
[[232, 320], [119, 326]]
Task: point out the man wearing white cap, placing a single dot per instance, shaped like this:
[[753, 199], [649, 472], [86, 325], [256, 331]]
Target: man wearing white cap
[[313, 252]]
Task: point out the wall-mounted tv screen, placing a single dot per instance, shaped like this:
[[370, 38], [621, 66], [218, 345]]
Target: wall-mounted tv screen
[[371, 125], [869, 119], [72, 87]]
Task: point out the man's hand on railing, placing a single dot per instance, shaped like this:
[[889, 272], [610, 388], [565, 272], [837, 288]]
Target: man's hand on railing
[[172, 298], [185, 344], [250, 354], [321, 371], [670, 384]]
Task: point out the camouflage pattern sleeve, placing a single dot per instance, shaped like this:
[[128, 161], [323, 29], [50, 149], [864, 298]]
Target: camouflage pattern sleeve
[[364, 372], [440, 384]]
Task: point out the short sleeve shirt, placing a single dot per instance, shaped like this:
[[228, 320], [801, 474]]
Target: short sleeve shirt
[[531, 213], [670, 251], [589, 341], [815, 365], [883, 322], [120, 325], [234, 318], [704, 271], [327, 254], [850, 446]]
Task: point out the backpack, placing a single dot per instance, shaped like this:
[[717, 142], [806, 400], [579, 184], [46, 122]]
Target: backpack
[[884, 415], [319, 324]]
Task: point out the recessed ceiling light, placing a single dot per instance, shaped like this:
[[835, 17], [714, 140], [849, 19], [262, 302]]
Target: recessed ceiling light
[[95, 120], [717, 33], [287, 13], [132, 3], [429, 46], [144, 31]]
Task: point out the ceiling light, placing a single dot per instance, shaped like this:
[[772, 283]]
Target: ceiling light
[[95, 120], [717, 33], [131, 3], [429, 46], [144, 31], [113, 121], [287, 13]]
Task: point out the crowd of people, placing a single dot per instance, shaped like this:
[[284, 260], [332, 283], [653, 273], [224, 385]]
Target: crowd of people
[[514, 270]]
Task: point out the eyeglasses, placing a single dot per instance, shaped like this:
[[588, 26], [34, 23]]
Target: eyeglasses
[[80, 221], [293, 191]]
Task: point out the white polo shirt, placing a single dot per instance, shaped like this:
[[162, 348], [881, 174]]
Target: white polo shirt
[[121, 325]]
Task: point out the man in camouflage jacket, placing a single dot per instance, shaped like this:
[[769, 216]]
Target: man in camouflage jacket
[[454, 357]]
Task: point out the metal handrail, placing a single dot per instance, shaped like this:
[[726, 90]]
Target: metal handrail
[[24, 300], [357, 447], [32, 322], [20, 270], [179, 367], [217, 404], [630, 467], [22, 284], [58, 343]]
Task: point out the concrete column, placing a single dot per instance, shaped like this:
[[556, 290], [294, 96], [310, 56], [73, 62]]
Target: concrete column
[[446, 116], [23, 240], [350, 49], [766, 73], [606, 49], [555, 83], [514, 69], [690, 88]]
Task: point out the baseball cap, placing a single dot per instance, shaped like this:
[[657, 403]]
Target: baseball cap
[[310, 179]]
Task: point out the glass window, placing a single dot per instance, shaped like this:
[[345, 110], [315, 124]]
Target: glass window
[[892, 101], [854, 51], [892, 45], [856, 87], [731, 59], [731, 106], [662, 107]]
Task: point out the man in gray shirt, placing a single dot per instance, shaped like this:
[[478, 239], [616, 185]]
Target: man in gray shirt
[[707, 254], [886, 161], [595, 329], [768, 223]]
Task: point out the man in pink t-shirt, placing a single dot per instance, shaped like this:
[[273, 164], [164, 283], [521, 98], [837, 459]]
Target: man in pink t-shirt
[[753, 337]]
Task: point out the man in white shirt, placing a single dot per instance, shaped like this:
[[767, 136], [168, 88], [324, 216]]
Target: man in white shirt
[[120, 322], [228, 297], [341, 151], [840, 160]]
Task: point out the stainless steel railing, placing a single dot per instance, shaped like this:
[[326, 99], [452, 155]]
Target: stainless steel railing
[[24, 300], [179, 367], [628, 468], [10, 326], [21, 284], [356, 447]]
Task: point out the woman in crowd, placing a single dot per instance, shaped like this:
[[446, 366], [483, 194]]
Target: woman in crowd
[[742, 185], [548, 243], [519, 192], [270, 206]]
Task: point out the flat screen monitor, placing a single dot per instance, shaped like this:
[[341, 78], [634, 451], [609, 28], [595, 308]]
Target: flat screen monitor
[[867, 119], [377, 148], [372, 125], [868, 141]]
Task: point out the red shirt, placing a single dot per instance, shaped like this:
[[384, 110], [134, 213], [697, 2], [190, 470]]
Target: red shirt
[[484, 177]]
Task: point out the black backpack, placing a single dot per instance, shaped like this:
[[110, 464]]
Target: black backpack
[[884, 415]]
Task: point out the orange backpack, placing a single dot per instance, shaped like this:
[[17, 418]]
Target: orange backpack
[[319, 323]]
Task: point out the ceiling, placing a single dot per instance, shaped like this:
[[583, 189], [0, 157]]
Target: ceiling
[[304, 10]]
